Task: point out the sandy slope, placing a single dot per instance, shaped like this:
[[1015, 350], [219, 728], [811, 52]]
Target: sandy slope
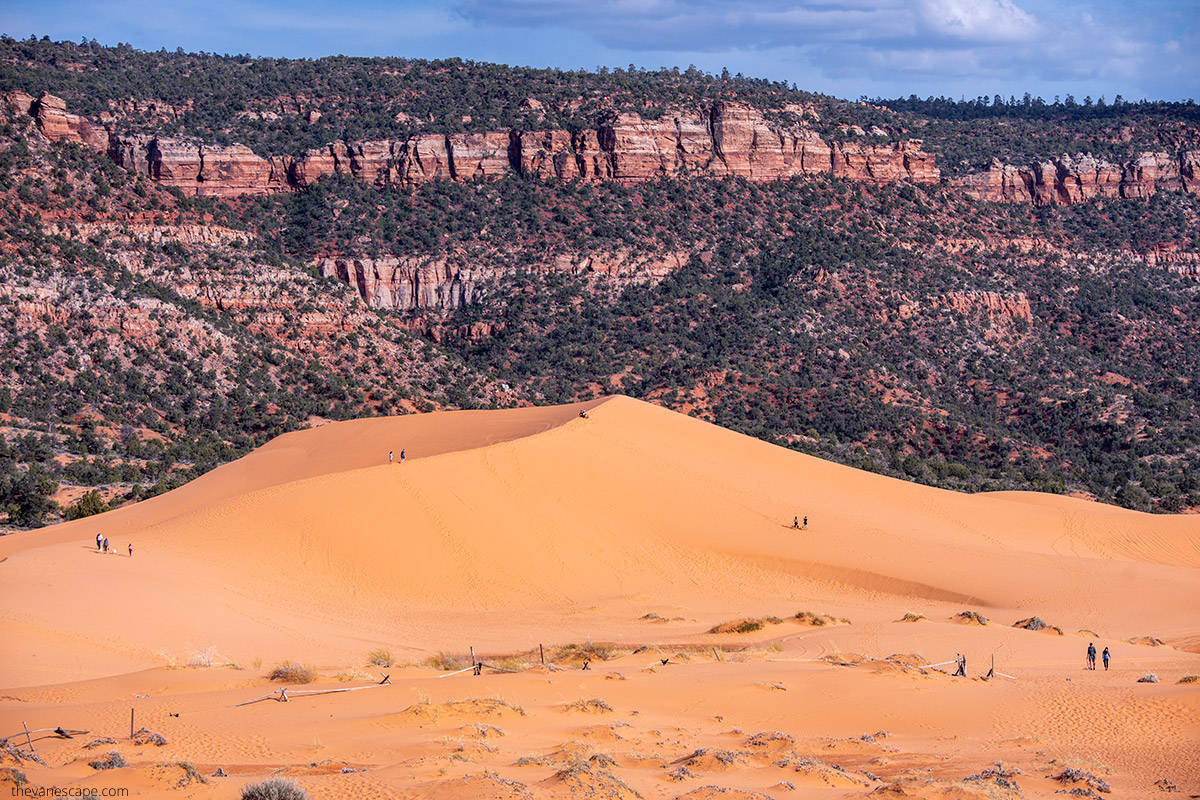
[[508, 529]]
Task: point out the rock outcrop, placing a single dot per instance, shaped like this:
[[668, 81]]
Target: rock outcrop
[[50, 114], [716, 138], [1065, 180], [998, 308], [413, 283], [719, 138]]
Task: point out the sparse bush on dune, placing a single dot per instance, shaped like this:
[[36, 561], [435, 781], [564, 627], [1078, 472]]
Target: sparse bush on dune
[[970, 618], [14, 776], [579, 653], [203, 658], [810, 618], [740, 626], [1190, 679], [1072, 775], [745, 625], [910, 616], [274, 789], [291, 672], [379, 658], [113, 760], [145, 736], [190, 773], [446, 662]]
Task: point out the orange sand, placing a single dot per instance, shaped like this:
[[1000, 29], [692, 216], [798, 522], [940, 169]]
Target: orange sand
[[634, 527]]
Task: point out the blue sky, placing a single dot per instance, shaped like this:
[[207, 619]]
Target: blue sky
[[847, 48]]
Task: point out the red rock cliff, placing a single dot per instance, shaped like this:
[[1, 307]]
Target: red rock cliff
[[718, 138], [1066, 180]]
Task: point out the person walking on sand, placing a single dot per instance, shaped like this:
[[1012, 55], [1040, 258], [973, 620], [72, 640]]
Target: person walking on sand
[[99, 541], [402, 456], [1104, 656], [131, 549], [806, 523], [106, 544], [795, 522], [1091, 655], [390, 456]]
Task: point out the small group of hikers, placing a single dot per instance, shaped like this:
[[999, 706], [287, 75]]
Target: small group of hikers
[[1091, 656], [796, 523], [102, 545], [391, 456]]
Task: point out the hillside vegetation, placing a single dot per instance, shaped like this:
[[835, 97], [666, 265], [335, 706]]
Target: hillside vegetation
[[905, 329]]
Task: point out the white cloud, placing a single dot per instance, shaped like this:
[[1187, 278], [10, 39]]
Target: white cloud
[[978, 20]]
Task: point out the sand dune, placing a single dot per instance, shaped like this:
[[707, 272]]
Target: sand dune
[[504, 530]]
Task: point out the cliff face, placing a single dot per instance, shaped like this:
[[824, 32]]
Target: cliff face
[[718, 138], [1068, 180], [413, 283]]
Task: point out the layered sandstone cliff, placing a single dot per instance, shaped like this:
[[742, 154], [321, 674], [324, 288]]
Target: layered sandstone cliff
[[407, 284], [1065, 180], [717, 138]]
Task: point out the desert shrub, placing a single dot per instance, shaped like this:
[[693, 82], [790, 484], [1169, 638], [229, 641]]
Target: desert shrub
[[579, 653], [1149, 678], [745, 625], [190, 773], [809, 618], [1072, 775], [970, 617], [14, 776], [114, 760], [94, 743], [291, 672], [144, 736], [446, 662], [910, 616], [202, 658], [274, 789], [1190, 679], [10, 751], [379, 658]]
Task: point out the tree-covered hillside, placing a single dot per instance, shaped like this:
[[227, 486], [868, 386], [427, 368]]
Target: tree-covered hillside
[[905, 329]]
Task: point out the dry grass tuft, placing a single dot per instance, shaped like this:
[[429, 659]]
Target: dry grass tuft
[[817, 620], [14, 776], [291, 672], [909, 616], [446, 662], [145, 736], [190, 774], [379, 658], [593, 706], [274, 789], [745, 625], [1190, 679], [577, 654], [202, 658], [114, 760], [1072, 775]]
